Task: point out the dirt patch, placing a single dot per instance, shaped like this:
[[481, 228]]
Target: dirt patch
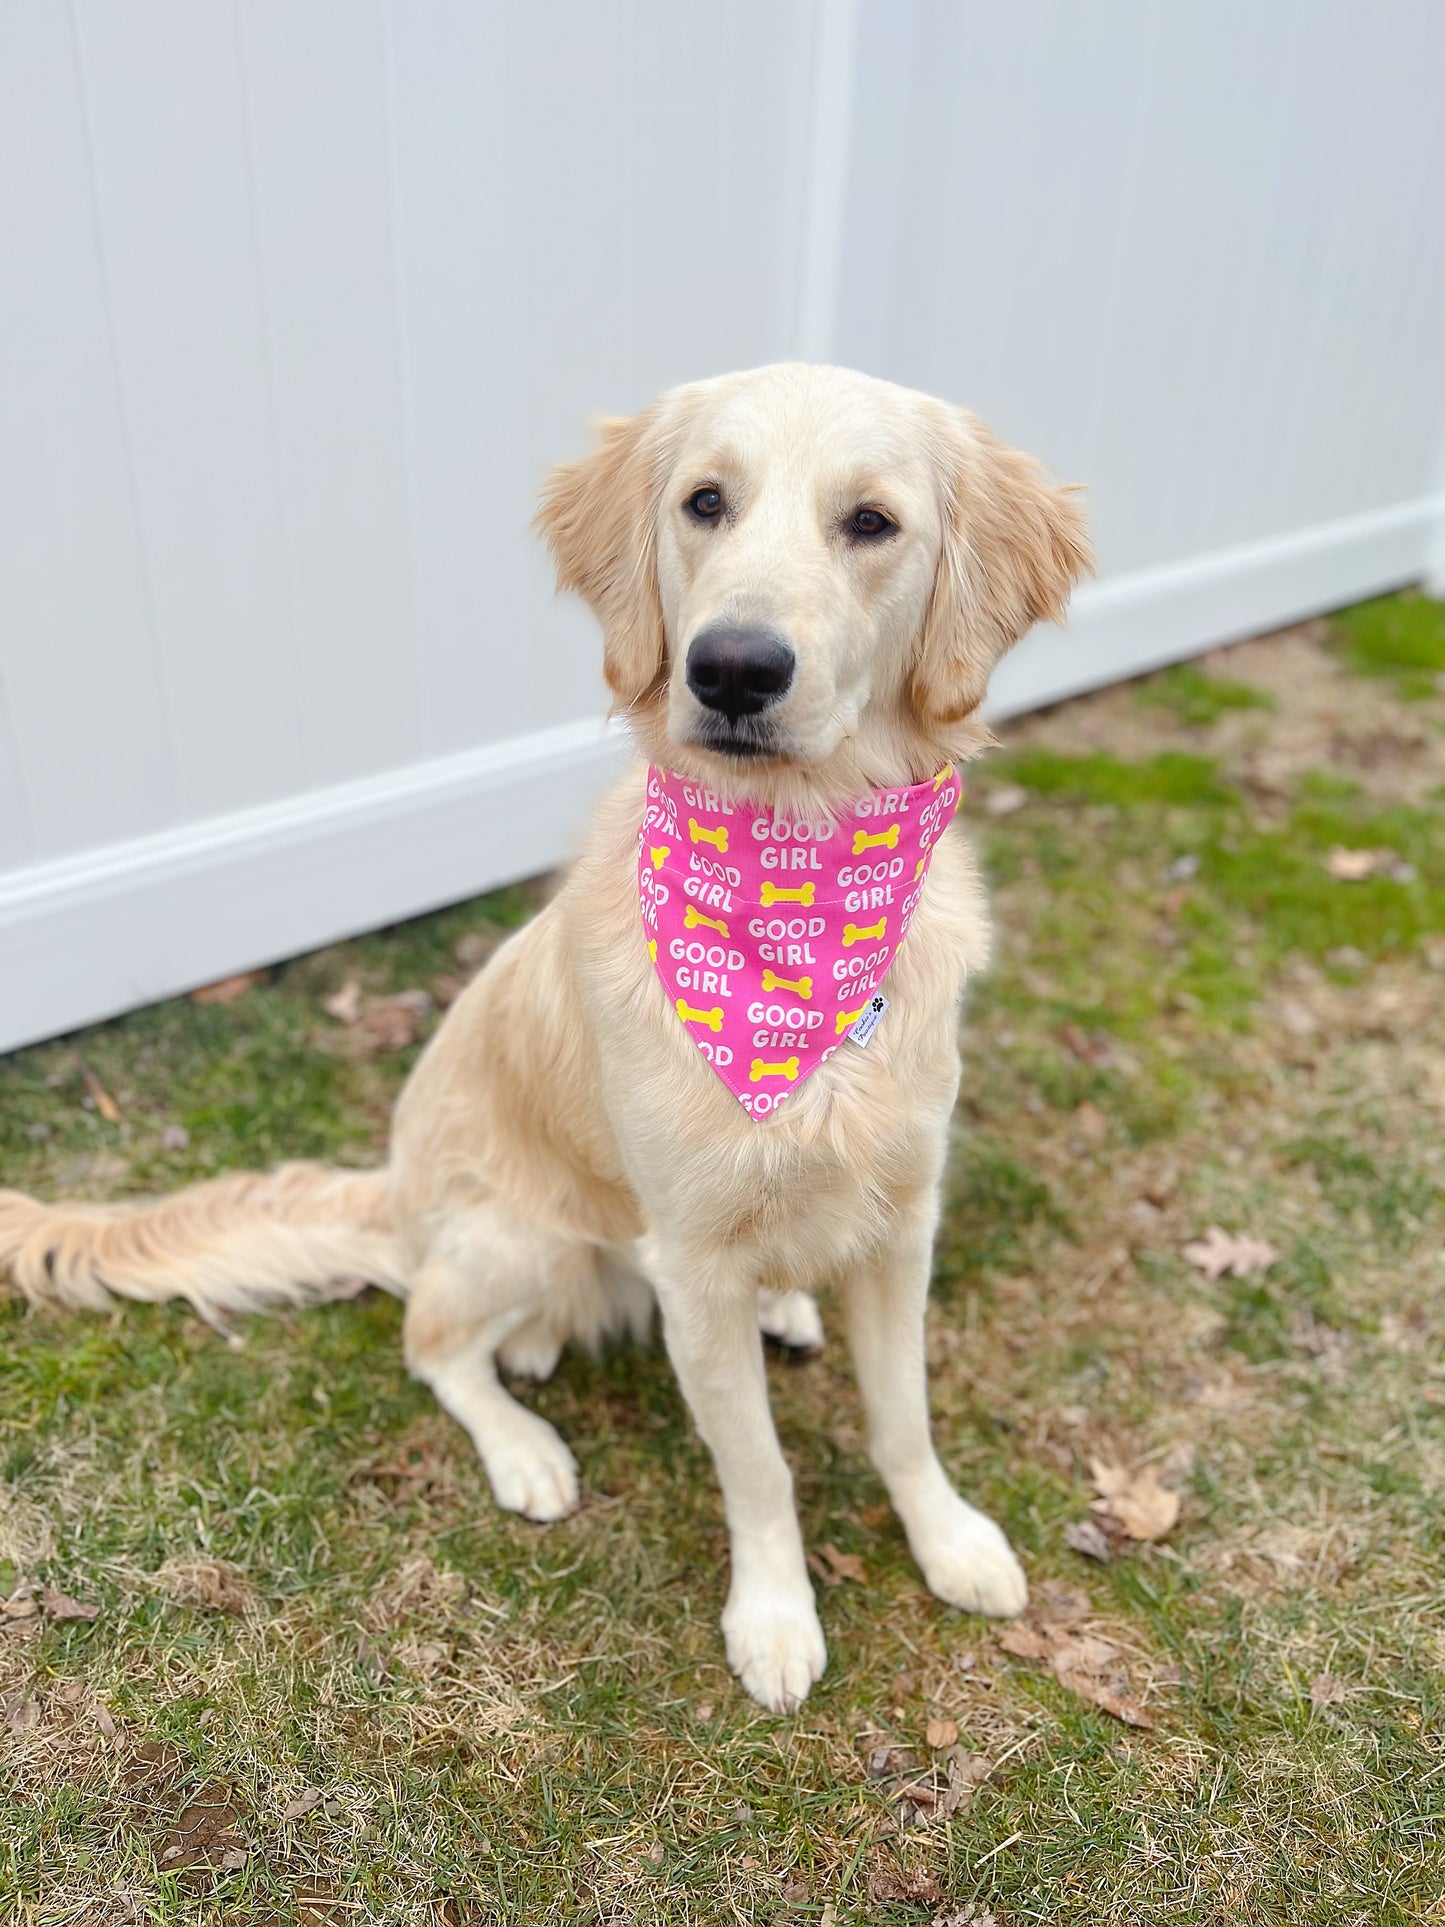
[[1319, 718]]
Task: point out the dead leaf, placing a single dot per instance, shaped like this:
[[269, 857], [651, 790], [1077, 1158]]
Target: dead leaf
[[60, 1605], [305, 1802], [1092, 1123], [1134, 1501], [889, 1883], [967, 1772], [941, 1733], [1353, 866], [1089, 1046], [418, 1470], [1004, 798], [1108, 1700], [391, 1023], [1326, 1690], [22, 1715], [228, 989], [1089, 1537], [208, 1585], [1083, 1663], [873, 1516], [21, 1606], [970, 1914], [884, 1762], [833, 1567], [1219, 1253], [345, 1004], [795, 1892], [174, 1137], [99, 1096], [1025, 1641]]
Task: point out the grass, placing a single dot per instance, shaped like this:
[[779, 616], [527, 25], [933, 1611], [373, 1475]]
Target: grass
[[302, 1583], [1400, 637]]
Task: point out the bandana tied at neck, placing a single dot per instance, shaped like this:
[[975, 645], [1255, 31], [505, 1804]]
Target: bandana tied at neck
[[771, 935]]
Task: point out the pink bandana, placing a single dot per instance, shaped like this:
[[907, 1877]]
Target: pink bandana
[[771, 937]]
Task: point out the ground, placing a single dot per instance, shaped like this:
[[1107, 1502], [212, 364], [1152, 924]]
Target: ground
[[325, 1681]]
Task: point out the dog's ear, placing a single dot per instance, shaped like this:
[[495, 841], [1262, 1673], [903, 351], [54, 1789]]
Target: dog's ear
[[599, 518], [1014, 543]]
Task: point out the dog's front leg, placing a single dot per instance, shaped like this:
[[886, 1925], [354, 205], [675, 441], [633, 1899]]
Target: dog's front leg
[[962, 1554], [710, 1319]]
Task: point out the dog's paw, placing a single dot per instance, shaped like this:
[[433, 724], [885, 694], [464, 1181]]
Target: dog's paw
[[531, 1471], [792, 1318], [775, 1646], [967, 1561]]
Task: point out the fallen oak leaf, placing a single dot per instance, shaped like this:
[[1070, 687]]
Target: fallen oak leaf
[[23, 1716], [1134, 1501], [833, 1566], [1083, 1663], [1089, 1537], [1123, 1706], [60, 1605], [967, 1772], [305, 1802], [1219, 1253], [1326, 1690], [1354, 866], [941, 1733], [345, 1004]]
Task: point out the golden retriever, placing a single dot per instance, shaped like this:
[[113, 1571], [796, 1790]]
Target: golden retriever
[[563, 1156]]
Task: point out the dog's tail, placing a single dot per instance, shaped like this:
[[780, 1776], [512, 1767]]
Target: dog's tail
[[291, 1236]]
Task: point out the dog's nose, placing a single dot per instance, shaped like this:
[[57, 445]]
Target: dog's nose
[[738, 671]]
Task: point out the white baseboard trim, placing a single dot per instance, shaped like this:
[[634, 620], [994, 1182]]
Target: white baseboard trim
[[99, 933], [1141, 621], [96, 934]]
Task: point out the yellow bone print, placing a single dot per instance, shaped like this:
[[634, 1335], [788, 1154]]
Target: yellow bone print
[[879, 840], [803, 987], [718, 837], [652, 948], [772, 894], [760, 1069], [691, 918], [854, 933], [942, 777], [712, 1018], [847, 1018], [918, 868], [659, 852]]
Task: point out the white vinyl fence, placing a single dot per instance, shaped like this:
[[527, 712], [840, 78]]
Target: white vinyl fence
[[298, 298]]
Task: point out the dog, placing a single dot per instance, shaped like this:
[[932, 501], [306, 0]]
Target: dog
[[804, 577]]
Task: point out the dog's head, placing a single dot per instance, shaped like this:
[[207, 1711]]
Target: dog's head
[[805, 576]]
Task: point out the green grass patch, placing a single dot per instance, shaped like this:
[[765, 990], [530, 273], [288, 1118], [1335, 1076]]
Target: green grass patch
[[1399, 637], [1196, 698]]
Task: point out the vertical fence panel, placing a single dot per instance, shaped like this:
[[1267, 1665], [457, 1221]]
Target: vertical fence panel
[[299, 299]]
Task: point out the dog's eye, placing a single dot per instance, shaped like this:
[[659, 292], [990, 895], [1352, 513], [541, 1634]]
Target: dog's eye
[[870, 524], [705, 503]]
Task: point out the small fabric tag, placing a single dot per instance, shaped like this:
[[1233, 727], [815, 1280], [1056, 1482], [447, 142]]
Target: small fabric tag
[[862, 1031]]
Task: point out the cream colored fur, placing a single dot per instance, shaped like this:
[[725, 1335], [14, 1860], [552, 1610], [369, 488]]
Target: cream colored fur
[[562, 1155]]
